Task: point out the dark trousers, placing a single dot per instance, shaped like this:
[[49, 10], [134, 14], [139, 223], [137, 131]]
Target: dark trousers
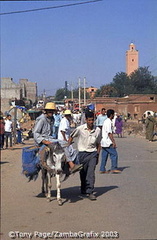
[[87, 174], [8, 135], [1, 140], [19, 136]]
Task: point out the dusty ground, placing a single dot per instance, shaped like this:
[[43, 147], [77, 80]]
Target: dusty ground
[[126, 203]]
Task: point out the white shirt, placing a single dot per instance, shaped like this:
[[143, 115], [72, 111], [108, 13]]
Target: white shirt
[[8, 125], [87, 140], [65, 127], [106, 129]]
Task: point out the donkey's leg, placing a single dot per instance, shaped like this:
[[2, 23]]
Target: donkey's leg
[[58, 190], [43, 180], [49, 187], [46, 183]]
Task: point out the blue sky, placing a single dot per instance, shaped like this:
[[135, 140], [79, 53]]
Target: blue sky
[[53, 46]]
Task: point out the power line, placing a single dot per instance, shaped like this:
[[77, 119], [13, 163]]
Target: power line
[[47, 8]]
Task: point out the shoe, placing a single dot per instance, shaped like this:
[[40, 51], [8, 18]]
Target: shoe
[[101, 172], [76, 168], [115, 171], [92, 197]]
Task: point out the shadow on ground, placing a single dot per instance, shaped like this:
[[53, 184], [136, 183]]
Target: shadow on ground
[[123, 168], [72, 194], [3, 162]]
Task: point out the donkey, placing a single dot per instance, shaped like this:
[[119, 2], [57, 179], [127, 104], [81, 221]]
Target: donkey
[[52, 166]]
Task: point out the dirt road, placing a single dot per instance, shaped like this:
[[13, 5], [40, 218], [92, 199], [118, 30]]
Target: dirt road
[[126, 204]]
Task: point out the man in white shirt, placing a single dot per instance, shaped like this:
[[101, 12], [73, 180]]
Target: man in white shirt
[[88, 144], [63, 135], [64, 127], [8, 130], [108, 145]]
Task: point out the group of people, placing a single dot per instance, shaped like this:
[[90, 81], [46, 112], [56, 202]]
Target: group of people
[[89, 138], [6, 132], [116, 121]]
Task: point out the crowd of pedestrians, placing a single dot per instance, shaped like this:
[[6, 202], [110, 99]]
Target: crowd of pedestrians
[[94, 133], [94, 136]]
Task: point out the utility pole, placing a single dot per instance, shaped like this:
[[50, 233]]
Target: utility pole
[[66, 88], [44, 95], [84, 91], [72, 95], [72, 92], [79, 94]]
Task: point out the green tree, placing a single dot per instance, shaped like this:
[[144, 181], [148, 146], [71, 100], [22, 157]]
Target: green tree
[[121, 83], [106, 90], [143, 82], [60, 94]]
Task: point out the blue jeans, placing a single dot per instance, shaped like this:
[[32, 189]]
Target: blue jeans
[[19, 136], [104, 156], [55, 132]]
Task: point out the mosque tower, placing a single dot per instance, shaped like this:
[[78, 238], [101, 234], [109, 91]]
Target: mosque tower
[[131, 59]]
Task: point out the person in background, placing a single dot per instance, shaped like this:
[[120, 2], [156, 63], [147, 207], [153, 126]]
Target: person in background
[[57, 119], [19, 133], [113, 122], [88, 145], [64, 135], [83, 120], [150, 124], [2, 130], [108, 145], [8, 130], [119, 126], [101, 118]]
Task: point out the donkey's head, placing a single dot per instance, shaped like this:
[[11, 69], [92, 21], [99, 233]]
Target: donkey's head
[[56, 157]]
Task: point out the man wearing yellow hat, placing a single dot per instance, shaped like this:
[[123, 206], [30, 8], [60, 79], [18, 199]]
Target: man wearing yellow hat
[[43, 134]]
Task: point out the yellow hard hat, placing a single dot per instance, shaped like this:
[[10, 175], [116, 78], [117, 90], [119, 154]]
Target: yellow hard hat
[[67, 112], [50, 106]]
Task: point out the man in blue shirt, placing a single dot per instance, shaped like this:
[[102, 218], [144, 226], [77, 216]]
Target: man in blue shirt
[[57, 118], [101, 118]]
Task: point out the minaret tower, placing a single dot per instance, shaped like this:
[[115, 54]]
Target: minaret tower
[[131, 59]]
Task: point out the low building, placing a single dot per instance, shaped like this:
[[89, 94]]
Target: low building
[[133, 105], [16, 91]]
